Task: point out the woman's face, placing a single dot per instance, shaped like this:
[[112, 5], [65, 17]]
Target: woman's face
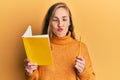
[[60, 22]]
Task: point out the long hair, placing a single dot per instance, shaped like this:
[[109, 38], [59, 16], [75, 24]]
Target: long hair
[[50, 14]]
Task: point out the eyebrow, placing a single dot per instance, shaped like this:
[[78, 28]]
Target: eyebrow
[[62, 17]]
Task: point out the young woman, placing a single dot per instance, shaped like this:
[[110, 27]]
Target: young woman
[[68, 65]]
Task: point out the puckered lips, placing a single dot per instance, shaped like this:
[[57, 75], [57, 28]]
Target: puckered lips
[[60, 29]]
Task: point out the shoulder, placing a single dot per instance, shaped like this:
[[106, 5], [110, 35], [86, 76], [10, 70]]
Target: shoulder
[[81, 45]]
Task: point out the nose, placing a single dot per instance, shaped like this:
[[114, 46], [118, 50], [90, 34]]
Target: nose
[[60, 23]]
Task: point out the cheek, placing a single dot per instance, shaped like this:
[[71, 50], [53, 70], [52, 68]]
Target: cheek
[[66, 29], [53, 28], [67, 26], [67, 23], [54, 25]]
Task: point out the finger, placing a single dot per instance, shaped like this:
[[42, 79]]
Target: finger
[[80, 58], [34, 67], [29, 71], [79, 68], [26, 60], [80, 65], [32, 64], [30, 68], [81, 62]]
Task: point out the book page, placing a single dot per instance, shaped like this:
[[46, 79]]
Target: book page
[[28, 32]]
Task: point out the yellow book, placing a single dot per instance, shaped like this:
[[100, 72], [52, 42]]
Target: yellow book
[[37, 47]]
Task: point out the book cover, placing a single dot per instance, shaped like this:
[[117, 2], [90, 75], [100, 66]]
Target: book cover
[[37, 47]]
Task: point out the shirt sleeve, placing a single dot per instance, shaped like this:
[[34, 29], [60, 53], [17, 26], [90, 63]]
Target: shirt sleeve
[[88, 73]]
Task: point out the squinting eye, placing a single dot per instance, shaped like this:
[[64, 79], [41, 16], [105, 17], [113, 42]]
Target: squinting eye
[[64, 19], [54, 19]]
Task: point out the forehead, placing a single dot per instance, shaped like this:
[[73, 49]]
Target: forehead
[[61, 12]]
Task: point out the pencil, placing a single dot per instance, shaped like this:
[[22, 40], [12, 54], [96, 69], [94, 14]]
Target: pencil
[[80, 48]]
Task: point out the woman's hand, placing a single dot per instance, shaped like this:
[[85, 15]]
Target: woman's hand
[[29, 66], [80, 64]]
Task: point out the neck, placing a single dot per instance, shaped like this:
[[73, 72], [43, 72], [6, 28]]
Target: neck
[[62, 40]]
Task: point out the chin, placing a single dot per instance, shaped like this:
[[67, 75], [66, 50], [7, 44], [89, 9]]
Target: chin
[[61, 35]]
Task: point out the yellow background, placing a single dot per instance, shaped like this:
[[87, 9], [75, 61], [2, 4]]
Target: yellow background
[[97, 21]]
